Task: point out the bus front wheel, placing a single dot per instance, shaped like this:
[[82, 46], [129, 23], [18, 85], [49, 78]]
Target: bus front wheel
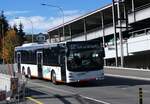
[[54, 78]]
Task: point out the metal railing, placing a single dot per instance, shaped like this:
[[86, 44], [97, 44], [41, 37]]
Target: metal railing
[[140, 32]]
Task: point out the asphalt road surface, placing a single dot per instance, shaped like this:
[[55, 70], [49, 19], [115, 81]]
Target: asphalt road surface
[[112, 90]]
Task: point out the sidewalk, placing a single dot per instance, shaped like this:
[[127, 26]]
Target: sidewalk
[[139, 74]]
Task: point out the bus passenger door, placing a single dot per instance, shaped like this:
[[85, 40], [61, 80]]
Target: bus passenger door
[[63, 67], [19, 62], [39, 63]]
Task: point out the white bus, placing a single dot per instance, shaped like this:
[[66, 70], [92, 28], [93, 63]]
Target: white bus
[[61, 62]]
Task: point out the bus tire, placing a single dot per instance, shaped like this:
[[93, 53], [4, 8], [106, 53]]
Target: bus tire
[[53, 77], [29, 73]]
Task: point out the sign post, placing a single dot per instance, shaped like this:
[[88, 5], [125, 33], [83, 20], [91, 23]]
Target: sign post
[[140, 96]]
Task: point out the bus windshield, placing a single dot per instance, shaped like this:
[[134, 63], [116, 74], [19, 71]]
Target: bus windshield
[[85, 60]]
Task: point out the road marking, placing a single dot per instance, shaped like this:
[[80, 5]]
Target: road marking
[[130, 77], [34, 100], [99, 101]]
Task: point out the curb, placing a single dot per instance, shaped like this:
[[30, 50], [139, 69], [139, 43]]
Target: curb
[[122, 68], [129, 77]]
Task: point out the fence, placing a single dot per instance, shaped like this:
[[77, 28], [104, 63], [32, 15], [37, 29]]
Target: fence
[[13, 84]]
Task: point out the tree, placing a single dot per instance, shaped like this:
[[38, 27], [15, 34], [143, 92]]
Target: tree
[[21, 34], [4, 26], [15, 28], [10, 41], [9, 38], [3, 29]]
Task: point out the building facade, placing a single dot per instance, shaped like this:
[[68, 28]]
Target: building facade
[[122, 27]]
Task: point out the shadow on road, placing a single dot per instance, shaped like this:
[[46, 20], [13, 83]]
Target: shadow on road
[[111, 81], [54, 97], [31, 92]]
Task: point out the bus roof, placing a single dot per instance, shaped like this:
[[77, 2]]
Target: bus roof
[[35, 46]]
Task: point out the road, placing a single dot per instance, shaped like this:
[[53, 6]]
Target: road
[[112, 90]]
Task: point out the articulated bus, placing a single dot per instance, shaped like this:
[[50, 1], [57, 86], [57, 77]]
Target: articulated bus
[[61, 62]]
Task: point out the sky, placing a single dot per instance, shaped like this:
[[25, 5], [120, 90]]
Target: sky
[[40, 18]]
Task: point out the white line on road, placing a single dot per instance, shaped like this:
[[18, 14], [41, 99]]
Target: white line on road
[[64, 91], [130, 77], [99, 101]]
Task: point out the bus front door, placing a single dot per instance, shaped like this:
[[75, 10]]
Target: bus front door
[[40, 63]]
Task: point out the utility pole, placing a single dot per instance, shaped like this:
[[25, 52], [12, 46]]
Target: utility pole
[[117, 17], [115, 31]]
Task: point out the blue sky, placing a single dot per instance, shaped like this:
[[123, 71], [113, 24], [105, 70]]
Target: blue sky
[[31, 12]]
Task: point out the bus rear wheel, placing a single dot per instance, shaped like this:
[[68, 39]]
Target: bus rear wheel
[[29, 73], [54, 78]]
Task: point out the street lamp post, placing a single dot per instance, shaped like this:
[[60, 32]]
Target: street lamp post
[[31, 25], [62, 15], [2, 28], [32, 29]]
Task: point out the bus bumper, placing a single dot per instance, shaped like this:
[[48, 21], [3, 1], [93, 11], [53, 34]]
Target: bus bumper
[[85, 80]]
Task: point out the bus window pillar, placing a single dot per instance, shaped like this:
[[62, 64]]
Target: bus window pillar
[[70, 32], [85, 33]]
